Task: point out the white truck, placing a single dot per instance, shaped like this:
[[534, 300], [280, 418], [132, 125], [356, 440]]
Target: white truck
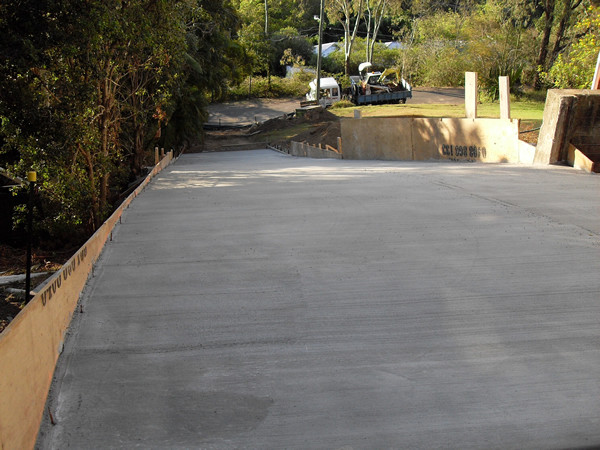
[[330, 92]]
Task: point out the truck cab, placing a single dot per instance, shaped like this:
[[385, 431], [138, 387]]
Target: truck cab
[[330, 92]]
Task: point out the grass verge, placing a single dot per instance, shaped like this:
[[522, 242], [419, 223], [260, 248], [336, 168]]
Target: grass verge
[[523, 110]]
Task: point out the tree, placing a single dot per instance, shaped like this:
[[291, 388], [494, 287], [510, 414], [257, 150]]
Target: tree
[[497, 45], [575, 68], [85, 86], [345, 11], [375, 11], [564, 10], [213, 60], [437, 56]]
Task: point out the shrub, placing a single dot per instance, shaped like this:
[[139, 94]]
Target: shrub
[[575, 69], [343, 104], [258, 87]]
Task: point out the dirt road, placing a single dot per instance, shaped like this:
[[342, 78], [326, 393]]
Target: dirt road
[[258, 110]]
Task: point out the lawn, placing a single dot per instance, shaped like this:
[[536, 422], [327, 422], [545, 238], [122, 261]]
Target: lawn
[[525, 110]]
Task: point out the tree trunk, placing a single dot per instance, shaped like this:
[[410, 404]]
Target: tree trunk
[[543, 53], [106, 122], [569, 7], [92, 180], [377, 19], [369, 54]]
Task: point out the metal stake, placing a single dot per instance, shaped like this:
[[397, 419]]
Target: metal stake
[[32, 178]]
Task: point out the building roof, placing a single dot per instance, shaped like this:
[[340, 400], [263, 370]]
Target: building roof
[[327, 48]]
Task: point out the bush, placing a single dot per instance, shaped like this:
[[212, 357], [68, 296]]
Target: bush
[[258, 87], [343, 104], [575, 69]]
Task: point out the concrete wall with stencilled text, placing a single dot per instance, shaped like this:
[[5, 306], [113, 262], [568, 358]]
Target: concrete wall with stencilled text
[[420, 139], [32, 342]]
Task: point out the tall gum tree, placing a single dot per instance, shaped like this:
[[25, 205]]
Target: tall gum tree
[[345, 12], [374, 14]]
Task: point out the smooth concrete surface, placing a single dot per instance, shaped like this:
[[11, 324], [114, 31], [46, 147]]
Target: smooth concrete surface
[[257, 300]]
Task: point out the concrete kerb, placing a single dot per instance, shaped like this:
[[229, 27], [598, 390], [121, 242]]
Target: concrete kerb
[[32, 342]]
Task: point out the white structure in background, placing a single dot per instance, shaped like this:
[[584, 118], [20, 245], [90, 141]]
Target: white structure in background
[[330, 92], [393, 45], [332, 47], [326, 49]]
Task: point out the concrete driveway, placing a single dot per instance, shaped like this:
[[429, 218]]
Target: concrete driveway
[[255, 300]]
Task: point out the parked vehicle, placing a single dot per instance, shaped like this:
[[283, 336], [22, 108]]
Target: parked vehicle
[[378, 87], [330, 93]]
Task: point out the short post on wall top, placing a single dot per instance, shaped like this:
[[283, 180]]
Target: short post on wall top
[[32, 178], [504, 85], [471, 94]]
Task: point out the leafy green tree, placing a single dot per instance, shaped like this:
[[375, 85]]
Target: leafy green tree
[[575, 68], [290, 49], [214, 60], [497, 46], [436, 56], [86, 88], [558, 17]]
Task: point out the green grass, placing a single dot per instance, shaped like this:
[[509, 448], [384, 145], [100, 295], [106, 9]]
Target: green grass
[[524, 110]]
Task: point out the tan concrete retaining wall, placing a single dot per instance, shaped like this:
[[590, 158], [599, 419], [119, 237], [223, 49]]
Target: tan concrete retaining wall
[[571, 116], [402, 138], [32, 342]]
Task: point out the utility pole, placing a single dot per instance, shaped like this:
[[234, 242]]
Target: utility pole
[[320, 48]]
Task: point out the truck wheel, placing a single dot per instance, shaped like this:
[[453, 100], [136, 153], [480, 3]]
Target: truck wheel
[[402, 101]]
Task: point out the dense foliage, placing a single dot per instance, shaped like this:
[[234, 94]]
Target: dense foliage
[[575, 67], [87, 89], [532, 41]]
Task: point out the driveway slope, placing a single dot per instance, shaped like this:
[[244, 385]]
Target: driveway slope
[[255, 300]]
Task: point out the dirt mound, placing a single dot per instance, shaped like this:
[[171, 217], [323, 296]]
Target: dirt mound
[[320, 115], [323, 127], [314, 116], [325, 133]]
